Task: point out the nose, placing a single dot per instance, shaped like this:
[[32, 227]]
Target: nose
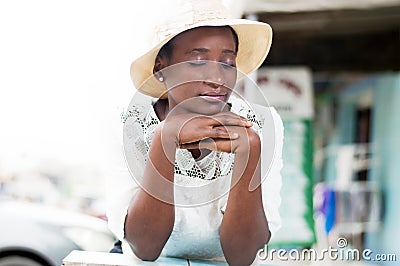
[[214, 74], [215, 86]]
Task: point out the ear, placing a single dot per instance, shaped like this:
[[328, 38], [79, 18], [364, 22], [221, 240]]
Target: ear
[[159, 64]]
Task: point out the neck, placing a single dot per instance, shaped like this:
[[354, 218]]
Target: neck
[[199, 154], [161, 108]]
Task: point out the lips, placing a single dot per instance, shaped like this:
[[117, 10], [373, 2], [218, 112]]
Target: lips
[[213, 97]]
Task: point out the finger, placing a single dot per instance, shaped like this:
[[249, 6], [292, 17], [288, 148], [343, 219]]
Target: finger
[[230, 119], [232, 114], [223, 145], [189, 134], [195, 145], [221, 132]]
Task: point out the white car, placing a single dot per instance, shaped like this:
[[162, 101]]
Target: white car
[[36, 235]]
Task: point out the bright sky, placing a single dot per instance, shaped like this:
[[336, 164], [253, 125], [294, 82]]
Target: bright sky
[[64, 69]]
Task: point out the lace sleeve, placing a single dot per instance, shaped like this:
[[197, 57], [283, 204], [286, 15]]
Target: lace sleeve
[[122, 182]]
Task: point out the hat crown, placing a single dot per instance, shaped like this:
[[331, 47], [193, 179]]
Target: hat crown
[[189, 13]]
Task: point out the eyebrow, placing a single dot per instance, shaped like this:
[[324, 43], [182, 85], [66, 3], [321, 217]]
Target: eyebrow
[[205, 50]]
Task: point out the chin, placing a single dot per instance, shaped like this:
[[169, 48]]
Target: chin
[[209, 108]]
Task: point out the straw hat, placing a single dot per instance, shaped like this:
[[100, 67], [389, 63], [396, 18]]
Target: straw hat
[[254, 40]]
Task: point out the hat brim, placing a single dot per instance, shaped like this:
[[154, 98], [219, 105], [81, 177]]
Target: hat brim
[[254, 37]]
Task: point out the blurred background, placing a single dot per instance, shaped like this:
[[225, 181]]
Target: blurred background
[[333, 73]]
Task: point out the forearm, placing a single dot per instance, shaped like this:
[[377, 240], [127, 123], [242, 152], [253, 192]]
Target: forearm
[[150, 217], [244, 229]]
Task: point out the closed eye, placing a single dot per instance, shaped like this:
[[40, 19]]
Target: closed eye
[[197, 62], [228, 65]]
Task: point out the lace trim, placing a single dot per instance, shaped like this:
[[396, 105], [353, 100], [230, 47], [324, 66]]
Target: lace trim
[[210, 167]]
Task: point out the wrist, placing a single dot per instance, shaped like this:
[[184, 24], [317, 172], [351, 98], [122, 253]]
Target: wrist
[[167, 134], [250, 145], [163, 143]]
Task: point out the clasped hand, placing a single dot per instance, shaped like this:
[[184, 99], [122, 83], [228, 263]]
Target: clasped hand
[[225, 131]]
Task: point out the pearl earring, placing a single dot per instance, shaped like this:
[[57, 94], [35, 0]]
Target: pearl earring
[[161, 78]]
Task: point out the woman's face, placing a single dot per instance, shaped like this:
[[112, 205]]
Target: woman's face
[[200, 72]]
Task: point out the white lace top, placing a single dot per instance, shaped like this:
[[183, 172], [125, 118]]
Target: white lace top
[[201, 187]]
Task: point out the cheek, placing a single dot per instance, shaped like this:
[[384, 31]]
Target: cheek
[[230, 85], [179, 75], [183, 91], [231, 78]]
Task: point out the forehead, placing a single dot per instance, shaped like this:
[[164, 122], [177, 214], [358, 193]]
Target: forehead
[[205, 36]]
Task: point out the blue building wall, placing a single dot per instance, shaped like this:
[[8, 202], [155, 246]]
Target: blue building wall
[[385, 139]]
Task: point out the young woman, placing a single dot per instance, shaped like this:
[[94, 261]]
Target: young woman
[[199, 158]]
